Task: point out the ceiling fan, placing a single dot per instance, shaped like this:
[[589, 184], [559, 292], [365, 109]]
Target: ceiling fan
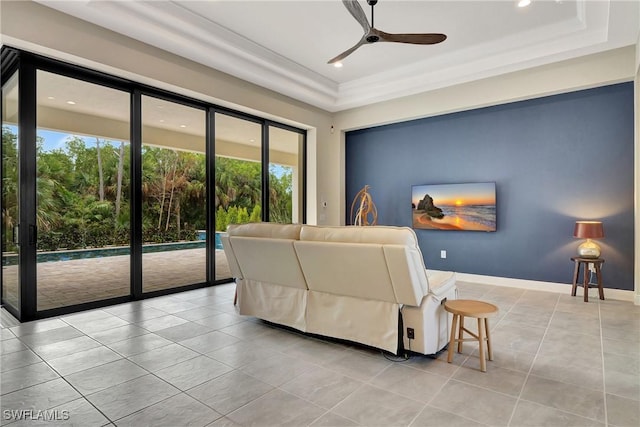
[[373, 35]]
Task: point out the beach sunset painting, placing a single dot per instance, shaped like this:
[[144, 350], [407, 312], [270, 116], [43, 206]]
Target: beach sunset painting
[[468, 206]]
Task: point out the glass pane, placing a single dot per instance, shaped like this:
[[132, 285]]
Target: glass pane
[[238, 178], [174, 195], [10, 196], [285, 176], [82, 192]]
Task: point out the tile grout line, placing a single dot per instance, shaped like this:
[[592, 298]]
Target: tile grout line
[[526, 379], [227, 373], [548, 329], [123, 357], [537, 353], [380, 373], [328, 411], [448, 381], [604, 373], [82, 396], [149, 372], [238, 369]]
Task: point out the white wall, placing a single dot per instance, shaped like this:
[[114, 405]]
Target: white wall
[[637, 171], [31, 26]]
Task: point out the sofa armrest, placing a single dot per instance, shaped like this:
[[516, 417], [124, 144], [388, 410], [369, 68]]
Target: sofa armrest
[[440, 282], [231, 256], [430, 322]]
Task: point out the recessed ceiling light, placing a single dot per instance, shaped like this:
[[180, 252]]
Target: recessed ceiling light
[[161, 120], [50, 97], [524, 3], [71, 103], [338, 64], [252, 140], [183, 126]]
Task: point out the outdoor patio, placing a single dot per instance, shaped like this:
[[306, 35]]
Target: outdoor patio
[[63, 283]]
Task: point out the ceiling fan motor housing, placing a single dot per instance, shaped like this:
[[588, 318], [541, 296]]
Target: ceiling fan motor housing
[[373, 35]]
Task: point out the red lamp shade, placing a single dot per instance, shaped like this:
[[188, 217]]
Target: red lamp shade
[[588, 230]]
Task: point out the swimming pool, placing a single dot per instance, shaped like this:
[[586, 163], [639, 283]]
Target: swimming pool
[[67, 255]]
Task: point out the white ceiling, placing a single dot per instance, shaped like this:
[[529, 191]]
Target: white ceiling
[[285, 45]]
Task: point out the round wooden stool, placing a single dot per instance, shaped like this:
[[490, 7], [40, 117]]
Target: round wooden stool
[[480, 310]]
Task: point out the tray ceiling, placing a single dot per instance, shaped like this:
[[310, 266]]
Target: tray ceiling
[[285, 45]]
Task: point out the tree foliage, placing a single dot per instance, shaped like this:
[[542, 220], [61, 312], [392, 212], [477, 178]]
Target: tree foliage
[[83, 193], [9, 187]]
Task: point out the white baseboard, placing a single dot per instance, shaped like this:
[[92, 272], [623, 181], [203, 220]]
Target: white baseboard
[[560, 288]]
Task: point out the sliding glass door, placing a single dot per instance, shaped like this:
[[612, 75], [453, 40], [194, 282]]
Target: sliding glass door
[[82, 192], [286, 178], [10, 195], [173, 195], [238, 177], [113, 191]]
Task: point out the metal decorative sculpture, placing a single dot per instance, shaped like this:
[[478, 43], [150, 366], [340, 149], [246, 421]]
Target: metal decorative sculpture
[[365, 208]]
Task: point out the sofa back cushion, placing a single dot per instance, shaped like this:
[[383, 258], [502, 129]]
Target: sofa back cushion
[[380, 262], [350, 269], [265, 229], [352, 234], [264, 252]]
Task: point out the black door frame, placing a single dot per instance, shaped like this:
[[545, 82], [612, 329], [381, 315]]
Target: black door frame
[[27, 64]]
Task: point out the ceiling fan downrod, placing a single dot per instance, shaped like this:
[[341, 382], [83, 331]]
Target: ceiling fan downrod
[[372, 38]]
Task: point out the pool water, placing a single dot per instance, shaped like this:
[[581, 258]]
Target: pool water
[[67, 255]]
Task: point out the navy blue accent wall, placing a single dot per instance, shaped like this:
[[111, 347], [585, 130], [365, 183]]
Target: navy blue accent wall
[[554, 160]]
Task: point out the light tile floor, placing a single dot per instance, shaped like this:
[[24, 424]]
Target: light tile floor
[[189, 359]]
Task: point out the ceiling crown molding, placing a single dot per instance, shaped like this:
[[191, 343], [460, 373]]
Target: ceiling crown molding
[[170, 26], [546, 44]]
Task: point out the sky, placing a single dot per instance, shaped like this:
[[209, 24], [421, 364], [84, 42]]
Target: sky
[[56, 140], [53, 140], [482, 193]]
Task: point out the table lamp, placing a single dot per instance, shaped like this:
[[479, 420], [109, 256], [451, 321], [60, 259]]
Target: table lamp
[[588, 230]]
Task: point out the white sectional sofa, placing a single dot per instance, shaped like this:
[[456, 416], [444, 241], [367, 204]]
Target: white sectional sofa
[[362, 284]]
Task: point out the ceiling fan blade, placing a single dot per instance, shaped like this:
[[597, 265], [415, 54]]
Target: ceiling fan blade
[[348, 52], [426, 38], [356, 11], [372, 34]]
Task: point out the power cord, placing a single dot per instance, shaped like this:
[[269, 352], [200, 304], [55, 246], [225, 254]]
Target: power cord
[[397, 359], [592, 273]]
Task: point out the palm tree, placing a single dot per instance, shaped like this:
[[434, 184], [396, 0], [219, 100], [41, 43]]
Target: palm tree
[[119, 180], [100, 174]]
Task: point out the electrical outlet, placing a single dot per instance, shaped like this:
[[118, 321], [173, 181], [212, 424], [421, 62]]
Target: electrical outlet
[[410, 333], [443, 254]]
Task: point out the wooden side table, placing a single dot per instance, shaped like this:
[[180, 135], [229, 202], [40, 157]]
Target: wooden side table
[[584, 263], [480, 310]]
